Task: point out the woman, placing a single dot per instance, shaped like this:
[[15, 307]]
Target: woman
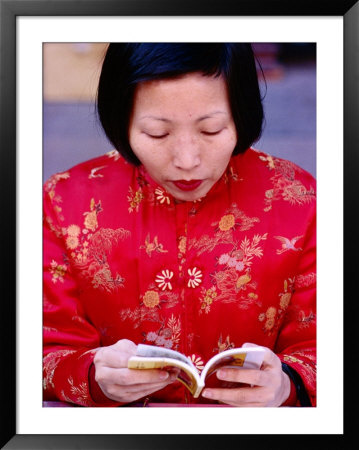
[[182, 237]]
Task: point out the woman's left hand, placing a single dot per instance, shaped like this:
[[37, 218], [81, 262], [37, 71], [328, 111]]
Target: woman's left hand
[[269, 386]]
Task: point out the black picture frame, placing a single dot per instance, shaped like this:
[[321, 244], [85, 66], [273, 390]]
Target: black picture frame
[[9, 11]]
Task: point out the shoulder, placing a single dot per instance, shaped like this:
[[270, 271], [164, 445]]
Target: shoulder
[[92, 174], [271, 168]]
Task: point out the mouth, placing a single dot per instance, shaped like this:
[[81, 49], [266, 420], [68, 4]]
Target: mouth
[[185, 185]]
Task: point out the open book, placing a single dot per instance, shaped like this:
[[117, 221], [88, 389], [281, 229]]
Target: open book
[[152, 357]]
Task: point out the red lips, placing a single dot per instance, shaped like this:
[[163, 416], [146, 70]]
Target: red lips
[[185, 185]]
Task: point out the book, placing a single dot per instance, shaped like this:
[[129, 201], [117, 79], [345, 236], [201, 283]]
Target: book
[[152, 357]]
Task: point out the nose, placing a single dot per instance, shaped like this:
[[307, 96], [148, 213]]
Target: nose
[[186, 153]]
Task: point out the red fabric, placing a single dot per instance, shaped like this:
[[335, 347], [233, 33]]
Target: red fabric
[[123, 259]]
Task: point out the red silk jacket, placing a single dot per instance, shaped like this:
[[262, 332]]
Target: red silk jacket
[[123, 259]]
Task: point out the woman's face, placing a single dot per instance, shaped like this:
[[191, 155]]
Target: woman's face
[[182, 131]]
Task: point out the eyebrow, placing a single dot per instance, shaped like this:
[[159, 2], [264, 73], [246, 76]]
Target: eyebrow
[[163, 119]]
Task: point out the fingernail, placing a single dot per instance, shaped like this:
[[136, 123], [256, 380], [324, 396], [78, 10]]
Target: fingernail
[[164, 375], [207, 394], [221, 374]]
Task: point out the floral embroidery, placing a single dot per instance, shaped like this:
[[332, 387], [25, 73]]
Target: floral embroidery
[[273, 315], [58, 271], [182, 244], [223, 230], [195, 277], [162, 197], [208, 297], [50, 363], [56, 199], [268, 318], [135, 198], [81, 392], [163, 280], [305, 280], [151, 299], [152, 246], [288, 244], [167, 336], [227, 222], [285, 185], [197, 362], [90, 221]]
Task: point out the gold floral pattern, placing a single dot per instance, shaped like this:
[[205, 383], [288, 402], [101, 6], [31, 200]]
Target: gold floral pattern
[[134, 198], [151, 299], [58, 271], [174, 274], [227, 222], [285, 185]]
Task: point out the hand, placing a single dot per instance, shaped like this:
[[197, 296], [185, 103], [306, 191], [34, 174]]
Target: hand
[[269, 386], [122, 384]]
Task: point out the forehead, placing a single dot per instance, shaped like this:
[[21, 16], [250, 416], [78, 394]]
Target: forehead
[[187, 91]]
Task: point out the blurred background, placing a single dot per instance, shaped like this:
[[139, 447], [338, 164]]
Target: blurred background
[[72, 132]]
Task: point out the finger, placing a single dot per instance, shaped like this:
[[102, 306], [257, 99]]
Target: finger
[[125, 377], [270, 358], [111, 357], [236, 397], [129, 395], [248, 376]]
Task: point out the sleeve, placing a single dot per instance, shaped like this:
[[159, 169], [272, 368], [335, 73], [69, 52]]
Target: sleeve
[[69, 340], [296, 343]]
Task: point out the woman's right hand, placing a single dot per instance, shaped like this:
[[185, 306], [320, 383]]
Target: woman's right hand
[[125, 385]]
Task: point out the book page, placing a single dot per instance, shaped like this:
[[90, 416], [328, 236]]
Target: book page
[[153, 351], [246, 358], [186, 375]]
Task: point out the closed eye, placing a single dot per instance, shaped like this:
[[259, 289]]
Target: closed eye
[[155, 136], [211, 133]]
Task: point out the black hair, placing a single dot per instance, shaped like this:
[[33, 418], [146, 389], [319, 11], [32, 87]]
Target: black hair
[[125, 65]]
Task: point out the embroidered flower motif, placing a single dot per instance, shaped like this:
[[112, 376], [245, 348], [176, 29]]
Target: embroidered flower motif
[[207, 300], [195, 277], [58, 271], [151, 336], [227, 222], [72, 242], [163, 280], [90, 221], [73, 230], [182, 244], [162, 197], [197, 361], [151, 299], [223, 259], [134, 199]]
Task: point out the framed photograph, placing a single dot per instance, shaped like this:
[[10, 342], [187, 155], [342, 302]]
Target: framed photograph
[[26, 28]]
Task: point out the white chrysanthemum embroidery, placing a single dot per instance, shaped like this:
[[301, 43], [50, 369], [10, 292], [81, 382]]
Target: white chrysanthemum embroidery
[[197, 361], [161, 196], [163, 280], [195, 277]]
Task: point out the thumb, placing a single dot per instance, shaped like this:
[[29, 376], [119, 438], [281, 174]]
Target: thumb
[[250, 344]]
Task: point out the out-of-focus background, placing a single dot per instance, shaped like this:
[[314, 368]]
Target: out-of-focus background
[[72, 132]]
